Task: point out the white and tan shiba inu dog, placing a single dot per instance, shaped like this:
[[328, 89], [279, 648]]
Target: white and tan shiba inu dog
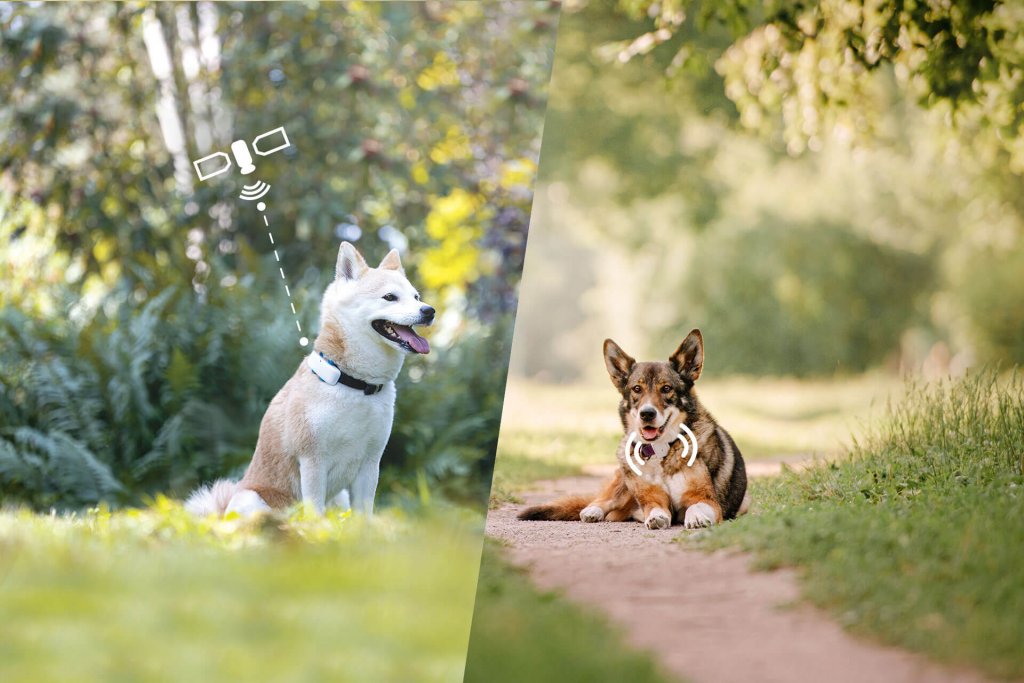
[[322, 437]]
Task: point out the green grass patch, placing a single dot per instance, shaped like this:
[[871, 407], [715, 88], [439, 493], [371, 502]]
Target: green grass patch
[[770, 417], [521, 634], [155, 595], [525, 457], [917, 537], [517, 472]]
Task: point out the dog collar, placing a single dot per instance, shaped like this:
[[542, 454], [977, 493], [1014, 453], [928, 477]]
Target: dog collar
[[328, 372]]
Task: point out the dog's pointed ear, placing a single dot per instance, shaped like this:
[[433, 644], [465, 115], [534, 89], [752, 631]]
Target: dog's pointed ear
[[688, 360], [618, 362], [392, 262], [351, 265]]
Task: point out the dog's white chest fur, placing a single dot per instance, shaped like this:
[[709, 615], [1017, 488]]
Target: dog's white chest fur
[[350, 431], [652, 472], [676, 485]]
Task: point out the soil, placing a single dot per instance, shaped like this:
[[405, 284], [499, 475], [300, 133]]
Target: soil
[[707, 617]]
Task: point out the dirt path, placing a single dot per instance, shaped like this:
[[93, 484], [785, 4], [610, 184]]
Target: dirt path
[[706, 617]]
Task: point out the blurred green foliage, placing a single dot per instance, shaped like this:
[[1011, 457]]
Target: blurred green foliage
[[781, 298], [812, 62], [148, 399], [142, 334], [450, 444], [676, 127], [993, 291], [390, 107], [629, 116]]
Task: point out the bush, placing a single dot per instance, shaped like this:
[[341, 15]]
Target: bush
[[793, 299], [447, 417], [993, 298], [155, 398]]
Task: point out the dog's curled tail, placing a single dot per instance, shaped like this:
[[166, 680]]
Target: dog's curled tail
[[211, 499], [562, 510]]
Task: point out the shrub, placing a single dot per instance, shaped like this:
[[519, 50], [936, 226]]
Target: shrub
[[144, 399], [796, 299], [992, 293], [447, 418]]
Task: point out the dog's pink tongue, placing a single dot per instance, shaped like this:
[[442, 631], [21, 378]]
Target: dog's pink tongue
[[418, 343]]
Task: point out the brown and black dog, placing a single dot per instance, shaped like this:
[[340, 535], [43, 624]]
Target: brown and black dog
[[655, 482]]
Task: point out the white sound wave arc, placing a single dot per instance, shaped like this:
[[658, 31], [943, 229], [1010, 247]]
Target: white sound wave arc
[[257, 190], [690, 447], [633, 452]]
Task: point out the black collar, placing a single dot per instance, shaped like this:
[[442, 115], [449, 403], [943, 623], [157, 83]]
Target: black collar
[[343, 377]]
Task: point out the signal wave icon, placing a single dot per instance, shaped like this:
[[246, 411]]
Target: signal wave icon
[[257, 190]]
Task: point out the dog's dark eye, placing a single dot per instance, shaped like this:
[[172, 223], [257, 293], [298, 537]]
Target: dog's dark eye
[[637, 389], [417, 297], [390, 297], [666, 389]]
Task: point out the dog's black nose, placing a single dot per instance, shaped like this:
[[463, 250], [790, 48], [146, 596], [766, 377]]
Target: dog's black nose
[[427, 312], [648, 414]]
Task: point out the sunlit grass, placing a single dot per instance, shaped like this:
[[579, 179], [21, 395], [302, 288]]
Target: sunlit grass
[[918, 535], [153, 594]]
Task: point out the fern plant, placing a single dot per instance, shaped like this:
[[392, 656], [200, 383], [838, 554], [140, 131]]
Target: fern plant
[[146, 399]]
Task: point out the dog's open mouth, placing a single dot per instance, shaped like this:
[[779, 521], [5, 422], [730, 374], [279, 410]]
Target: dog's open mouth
[[403, 335], [650, 432]]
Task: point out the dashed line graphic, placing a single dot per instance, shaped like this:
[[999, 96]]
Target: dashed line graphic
[[303, 341], [220, 162]]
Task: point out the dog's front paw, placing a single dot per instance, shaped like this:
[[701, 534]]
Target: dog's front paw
[[592, 513], [699, 516], [658, 519]]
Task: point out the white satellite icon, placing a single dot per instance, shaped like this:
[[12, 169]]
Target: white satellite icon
[[242, 156]]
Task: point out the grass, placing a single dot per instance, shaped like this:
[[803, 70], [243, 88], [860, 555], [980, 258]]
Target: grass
[[551, 431], [521, 634], [525, 457], [918, 536], [154, 595]]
